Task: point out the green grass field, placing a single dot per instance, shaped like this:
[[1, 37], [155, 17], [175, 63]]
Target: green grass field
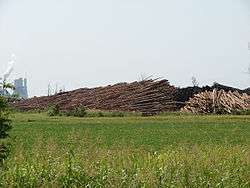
[[161, 151]]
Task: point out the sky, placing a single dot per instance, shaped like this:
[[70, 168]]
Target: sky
[[80, 43]]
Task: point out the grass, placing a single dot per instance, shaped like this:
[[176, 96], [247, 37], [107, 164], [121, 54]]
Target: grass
[[162, 151]]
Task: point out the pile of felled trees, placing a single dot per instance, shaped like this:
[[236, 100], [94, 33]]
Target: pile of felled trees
[[148, 96], [184, 94], [218, 102]]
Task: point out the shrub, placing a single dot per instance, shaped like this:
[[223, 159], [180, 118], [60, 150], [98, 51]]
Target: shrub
[[79, 111], [53, 110], [117, 114], [242, 112], [5, 126], [100, 114]]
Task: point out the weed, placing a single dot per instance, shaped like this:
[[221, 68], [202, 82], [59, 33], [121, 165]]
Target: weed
[[79, 111], [53, 110]]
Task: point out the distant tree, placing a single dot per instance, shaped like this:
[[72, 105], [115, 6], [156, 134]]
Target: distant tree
[[144, 77], [49, 89], [194, 81], [6, 85]]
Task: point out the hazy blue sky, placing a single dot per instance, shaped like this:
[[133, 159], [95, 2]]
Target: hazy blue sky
[[86, 43]]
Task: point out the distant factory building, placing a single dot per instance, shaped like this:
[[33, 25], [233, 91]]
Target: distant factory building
[[21, 88]]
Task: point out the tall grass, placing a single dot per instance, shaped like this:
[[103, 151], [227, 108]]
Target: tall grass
[[172, 151], [49, 165]]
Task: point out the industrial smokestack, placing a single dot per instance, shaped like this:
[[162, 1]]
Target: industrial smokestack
[[25, 82]]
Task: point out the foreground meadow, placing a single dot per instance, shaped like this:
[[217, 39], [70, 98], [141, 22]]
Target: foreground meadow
[[162, 151]]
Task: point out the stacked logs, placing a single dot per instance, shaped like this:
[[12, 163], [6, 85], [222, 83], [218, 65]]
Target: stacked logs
[[148, 96], [184, 94], [217, 101]]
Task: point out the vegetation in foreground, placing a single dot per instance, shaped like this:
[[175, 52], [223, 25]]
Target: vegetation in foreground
[[5, 126], [166, 151]]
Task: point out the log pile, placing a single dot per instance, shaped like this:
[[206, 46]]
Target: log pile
[[218, 102], [182, 95], [148, 96], [228, 88]]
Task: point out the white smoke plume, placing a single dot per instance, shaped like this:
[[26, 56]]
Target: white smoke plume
[[9, 68]]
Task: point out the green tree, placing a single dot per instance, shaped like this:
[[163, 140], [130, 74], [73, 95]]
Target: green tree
[[6, 85], [4, 118], [5, 126]]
